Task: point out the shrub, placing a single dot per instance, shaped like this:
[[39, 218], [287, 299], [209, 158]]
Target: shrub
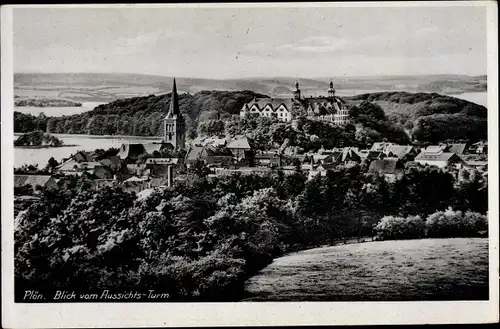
[[396, 228], [443, 224]]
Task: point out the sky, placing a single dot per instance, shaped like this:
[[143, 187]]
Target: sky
[[222, 43]]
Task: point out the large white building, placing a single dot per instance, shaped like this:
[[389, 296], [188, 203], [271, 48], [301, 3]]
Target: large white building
[[269, 107], [330, 108]]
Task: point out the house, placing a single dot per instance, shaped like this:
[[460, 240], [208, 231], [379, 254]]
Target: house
[[44, 181], [113, 162], [207, 154], [69, 167], [220, 160], [103, 172], [479, 165], [150, 148], [136, 169], [82, 156], [399, 151], [268, 159], [380, 146], [320, 158], [240, 148], [134, 185], [101, 183], [387, 167], [242, 170], [481, 148], [347, 155], [368, 155], [279, 108], [435, 156], [158, 182], [163, 167]]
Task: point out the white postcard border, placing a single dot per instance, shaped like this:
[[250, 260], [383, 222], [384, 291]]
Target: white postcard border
[[69, 315]]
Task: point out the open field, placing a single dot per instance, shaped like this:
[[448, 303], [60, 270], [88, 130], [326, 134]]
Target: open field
[[429, 269]]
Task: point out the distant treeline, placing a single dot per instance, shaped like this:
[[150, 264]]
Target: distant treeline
[[43, 102], [380, 116]]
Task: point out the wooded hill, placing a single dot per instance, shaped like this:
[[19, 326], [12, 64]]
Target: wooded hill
[[429, 117]]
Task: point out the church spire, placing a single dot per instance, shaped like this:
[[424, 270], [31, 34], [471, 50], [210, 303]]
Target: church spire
[[174, 101]]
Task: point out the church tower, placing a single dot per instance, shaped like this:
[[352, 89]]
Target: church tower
[[175, 128], [296, 93], [331, 91]]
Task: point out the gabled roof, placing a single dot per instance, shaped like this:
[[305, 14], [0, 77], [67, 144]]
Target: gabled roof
[[239, 143], [33, 180], [398, 150], [384, 166], [274, 103]]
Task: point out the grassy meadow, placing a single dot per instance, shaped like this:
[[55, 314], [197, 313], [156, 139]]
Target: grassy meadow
[[411, 270]]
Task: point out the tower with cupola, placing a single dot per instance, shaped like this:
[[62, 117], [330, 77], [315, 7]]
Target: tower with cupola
[[296, 93], [331, 91]]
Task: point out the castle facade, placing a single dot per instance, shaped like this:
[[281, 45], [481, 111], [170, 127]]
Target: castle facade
[[329, 108]]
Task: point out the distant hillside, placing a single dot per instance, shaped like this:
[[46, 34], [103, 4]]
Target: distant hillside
[[45, 102], [138, 116], [97, 87], [431, 117]]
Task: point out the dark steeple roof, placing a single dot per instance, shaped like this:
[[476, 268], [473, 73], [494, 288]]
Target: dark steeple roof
[[174, 102]]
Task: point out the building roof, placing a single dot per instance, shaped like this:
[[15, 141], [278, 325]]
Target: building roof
[[113, 160], [82, 156], [150, 148], [477, 163], [131, 150], [135, 179], [458, 149], [380, 146], [239, 143], [398, 150], [435, 149], [385, 166], [33, 180], [194, 153], [162, 161], [441, 156], [274, 103]]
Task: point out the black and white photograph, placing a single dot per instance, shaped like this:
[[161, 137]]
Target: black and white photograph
[[250, 155]]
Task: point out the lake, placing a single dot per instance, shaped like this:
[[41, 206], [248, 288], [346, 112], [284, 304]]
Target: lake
[[478, 98], [41, 156], [58, 111]]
